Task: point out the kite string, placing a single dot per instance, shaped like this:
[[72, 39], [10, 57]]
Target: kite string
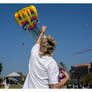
[[37, 31], [35, 38], [32, 34]]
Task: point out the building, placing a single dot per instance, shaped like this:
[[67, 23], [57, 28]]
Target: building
[[79, 71]]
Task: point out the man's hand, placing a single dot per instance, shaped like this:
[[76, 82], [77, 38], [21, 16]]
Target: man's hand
[[65, 73], [43, 28], [59, 84], [41, 34]]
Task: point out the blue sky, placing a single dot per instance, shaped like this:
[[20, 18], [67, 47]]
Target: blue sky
[[66, 22]]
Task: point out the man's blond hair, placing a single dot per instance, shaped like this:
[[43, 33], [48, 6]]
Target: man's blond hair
[[47, 45]]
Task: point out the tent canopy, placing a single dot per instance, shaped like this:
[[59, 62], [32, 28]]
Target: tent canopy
[[13, 74]]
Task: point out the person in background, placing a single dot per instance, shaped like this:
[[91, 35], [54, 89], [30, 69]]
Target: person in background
[[6, 83]]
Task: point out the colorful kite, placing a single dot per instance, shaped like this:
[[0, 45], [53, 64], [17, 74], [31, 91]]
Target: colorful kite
[[86, 25], [28, 18]]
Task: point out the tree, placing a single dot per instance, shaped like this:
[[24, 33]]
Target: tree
[[61, 64], [87, 79], [0, 68], [22, 78]]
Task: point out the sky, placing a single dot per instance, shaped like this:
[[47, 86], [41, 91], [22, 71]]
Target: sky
[[65, 22]]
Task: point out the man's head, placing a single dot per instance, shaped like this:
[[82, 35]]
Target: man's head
[[47, 45]]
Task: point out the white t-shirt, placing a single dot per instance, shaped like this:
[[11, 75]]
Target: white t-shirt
[[42, 70]]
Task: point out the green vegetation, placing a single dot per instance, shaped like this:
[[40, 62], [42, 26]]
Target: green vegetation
[[15, 87], [12, 87], [1, 67], [87, 79]]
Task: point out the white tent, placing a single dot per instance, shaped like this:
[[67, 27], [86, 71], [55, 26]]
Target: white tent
[[13, 74], [13, 79]]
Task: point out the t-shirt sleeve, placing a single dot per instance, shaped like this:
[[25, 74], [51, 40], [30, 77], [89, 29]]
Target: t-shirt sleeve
[[35, 49], [53, 73]]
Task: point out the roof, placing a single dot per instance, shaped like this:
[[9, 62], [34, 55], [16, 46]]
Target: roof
[[81, 65], [13, 74]]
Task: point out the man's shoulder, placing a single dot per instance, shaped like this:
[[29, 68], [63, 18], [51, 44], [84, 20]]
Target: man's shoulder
[[47, 60], [52, 61]]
